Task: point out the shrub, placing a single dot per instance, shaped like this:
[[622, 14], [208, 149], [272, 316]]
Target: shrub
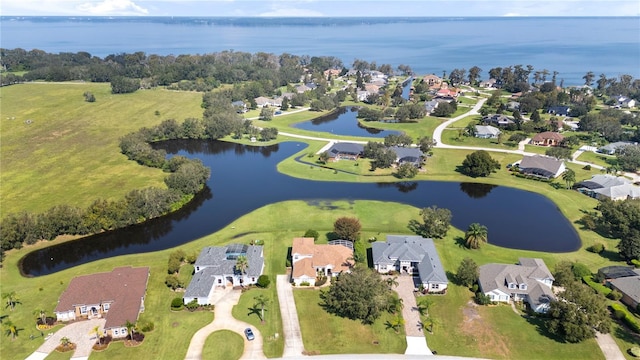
[[474, 288], [580, 270], [312, 234], [321, 280], [615, 295], [147, 326], [587, 167], [304, 283], [596, 248], [172, 281], [263, 281], [192, 305], [177, 303], [618, 314], [482, 299], [599, 288], [635, 262], [628, 319], [635, 351]]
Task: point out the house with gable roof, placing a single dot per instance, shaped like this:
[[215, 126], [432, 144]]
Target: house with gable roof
[[309, 259], [547, 138], [487, 132], [498, 120], [608, 186], [117, 296], [530, 281], [345, 150], [414, 255], [216, 267], [411, 155]]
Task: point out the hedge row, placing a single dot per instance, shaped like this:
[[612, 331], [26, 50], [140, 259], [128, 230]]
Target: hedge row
[[628, 318], [599, 288]]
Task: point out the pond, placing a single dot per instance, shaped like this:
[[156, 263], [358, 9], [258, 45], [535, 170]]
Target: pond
[[515, 218], [343, 121]]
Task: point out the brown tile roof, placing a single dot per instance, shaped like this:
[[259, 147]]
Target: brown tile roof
[[321, 256], [123, 287], [548, 135]]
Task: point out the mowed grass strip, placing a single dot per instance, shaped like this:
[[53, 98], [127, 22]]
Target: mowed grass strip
[[59, 149], [324, 333], [223, 345]]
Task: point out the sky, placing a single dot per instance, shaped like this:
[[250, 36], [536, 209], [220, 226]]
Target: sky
[[320, 8]]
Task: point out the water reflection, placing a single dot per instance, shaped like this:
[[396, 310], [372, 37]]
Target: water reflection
[[343, 121], [244, 178]]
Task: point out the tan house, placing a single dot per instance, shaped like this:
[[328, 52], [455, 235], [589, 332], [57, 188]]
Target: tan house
[[547, 138], [116, 296], [432, 80], [309, 259]]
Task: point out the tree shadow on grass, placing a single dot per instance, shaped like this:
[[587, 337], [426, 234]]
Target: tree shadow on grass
[[460, 241], [539, 323], [255, 310], [611, 255]]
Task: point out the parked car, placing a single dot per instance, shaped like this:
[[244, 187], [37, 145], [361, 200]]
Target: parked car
[[278, 112], [249, 334]]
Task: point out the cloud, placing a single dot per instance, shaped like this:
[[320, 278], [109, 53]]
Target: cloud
[[112, 7]]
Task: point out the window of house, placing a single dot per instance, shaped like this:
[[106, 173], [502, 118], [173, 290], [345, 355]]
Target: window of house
[[106, 306], [253, 279], [512, 286], [219, 281], [523, 286], [197, 268], [83, 310], [115, 332], [435, 286]]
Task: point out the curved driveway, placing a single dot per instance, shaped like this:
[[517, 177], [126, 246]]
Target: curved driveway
[[225, 321]]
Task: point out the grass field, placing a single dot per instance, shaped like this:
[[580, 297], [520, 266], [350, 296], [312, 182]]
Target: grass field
[[323, 333], [68, 152], [223, 345]]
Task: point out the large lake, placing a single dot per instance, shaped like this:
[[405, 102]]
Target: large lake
[[571, 46], [515, 218]]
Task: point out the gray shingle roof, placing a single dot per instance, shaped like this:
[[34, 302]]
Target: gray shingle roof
[[540, 165], [215, 258], [201, 283], [603, 181], [407, 154], [346, 148], [413, 249], [487, 130], [629, 286], [529, 271]]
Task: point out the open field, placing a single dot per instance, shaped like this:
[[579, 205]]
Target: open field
[[68, 153], [324, 333]]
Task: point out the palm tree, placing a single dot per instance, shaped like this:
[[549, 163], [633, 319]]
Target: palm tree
[[395, 324], [261, 301], [432, 322], [65, 342], [42, 315], [392, 282], [395, 304], [130, 328], [423, 306], [12, 299], [569, 176], [11, 330], [96, 330], [475, 235], [242, 264]]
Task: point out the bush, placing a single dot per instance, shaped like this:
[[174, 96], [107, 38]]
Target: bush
[[177, 303], [587, 167], [615, 295], [580, 270], [263, 281], [304, 283], [596, 248], [618, 314], [482, 299], [147, 326], [172, 281], [635, 262], [627, 318], [635, 351], [474, 288], [192, 305], [599, 288], [321, 280], [312, 234]]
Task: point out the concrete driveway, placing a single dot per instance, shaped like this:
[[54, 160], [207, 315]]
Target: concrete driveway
[[293, 345], [78, 332], [223, 320]]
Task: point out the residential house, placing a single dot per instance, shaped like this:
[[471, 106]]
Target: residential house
[[491, 83], [432, 80], [487, 132], [547, 138], [309, 259], [559, 110], [262, 101], [410, 155], [363, 95], [513, 106], [498, 120], [117, 296], [240, 106], [447, 93], [216, 267], [375, 74], [610, 149], [530, 281], [345, 150], [414, 255], [624, 102], [624, 279], [371, 88], [542, 166], [430, 106], [378, 82], [333, 72], [609, 186]]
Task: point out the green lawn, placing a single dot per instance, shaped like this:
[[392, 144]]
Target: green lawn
[[597, 159], [68, 153], [323, 333], [273, 345], [223, 345]]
